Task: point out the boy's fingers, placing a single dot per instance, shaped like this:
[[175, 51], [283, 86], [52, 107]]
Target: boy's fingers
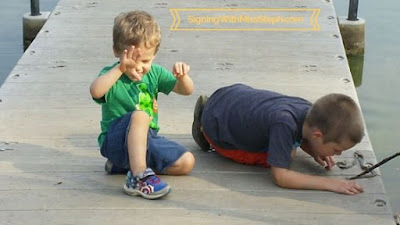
[[122, 61], [174, 70], [330, 162], [320, 161], [130, 51], [180, 68], [348, 192], [354, 190], [359, 188], [137, 54], [124, 55], [136, 75], [355, 187], [186, 68], [177, 68]]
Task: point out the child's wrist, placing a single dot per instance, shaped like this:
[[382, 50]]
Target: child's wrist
[[120, 68], [117, 70], [181, 76]]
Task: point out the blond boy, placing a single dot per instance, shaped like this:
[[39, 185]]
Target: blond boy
[[127, 92]]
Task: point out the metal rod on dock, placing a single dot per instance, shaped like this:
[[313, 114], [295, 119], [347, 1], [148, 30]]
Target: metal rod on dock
[[35, 9], [353, 8], [385, 160]]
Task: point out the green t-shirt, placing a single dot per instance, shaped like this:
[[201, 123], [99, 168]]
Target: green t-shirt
[[126, 96]]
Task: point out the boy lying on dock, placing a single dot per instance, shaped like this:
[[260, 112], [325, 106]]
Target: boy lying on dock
[[265, 128], [127, 91]]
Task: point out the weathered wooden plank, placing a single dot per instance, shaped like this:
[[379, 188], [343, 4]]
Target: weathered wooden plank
[[257, 201], [298, 72], [205, 163], [78, 30], [269, 44], [80, 122], [31, 102], [109, 8], [251, 53], [67, 122], [82, 89], [210, 181], [172, 216], [45, 146]]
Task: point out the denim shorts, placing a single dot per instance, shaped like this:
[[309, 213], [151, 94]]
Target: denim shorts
[[161, 152]]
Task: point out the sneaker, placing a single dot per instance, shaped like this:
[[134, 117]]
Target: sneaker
[[147, 184], [110, 168], [197, 133]]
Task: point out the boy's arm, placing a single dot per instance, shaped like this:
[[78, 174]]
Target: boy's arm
[[103, 83], [291, 179], [184, 84]]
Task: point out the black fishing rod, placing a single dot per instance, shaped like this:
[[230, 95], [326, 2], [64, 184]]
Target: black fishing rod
[[385, 160]]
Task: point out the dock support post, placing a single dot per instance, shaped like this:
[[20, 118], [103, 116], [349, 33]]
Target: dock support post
[[352, 30], [32, 23]]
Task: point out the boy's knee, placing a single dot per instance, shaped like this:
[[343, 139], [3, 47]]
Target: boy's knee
[[185, 163], [140, 116]]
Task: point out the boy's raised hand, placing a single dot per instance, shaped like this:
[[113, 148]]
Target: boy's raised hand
[[180, 69], [128, 63]]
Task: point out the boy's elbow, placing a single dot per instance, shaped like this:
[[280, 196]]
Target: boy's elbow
[[94, 93], [189, 91], [278, 175], [278, 181], [183, 90]]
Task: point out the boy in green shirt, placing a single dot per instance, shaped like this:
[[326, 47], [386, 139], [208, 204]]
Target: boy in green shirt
[[127, 92]]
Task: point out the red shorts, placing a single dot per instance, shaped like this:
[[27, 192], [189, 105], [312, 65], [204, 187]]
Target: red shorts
[[241, 156]]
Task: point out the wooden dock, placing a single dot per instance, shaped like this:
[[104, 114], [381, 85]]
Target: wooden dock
[[51, 171]]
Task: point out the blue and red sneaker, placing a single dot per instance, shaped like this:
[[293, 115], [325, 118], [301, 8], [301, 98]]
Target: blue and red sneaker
[[148, 185]]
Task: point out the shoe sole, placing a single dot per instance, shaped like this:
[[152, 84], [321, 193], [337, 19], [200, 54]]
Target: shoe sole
[[108, 167], [197, 134], [154, 195]]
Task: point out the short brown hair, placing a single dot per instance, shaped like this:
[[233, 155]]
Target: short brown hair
[[134, 28], [338, 117]]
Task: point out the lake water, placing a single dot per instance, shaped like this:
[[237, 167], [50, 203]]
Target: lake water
[[379, 97]]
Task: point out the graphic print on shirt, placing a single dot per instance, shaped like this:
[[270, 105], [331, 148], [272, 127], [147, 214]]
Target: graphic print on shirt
[[146, 103]]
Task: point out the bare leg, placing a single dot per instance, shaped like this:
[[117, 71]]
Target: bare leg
[[183, 165], [137, 141]]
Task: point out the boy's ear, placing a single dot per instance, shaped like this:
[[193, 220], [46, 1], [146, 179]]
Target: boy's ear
[[316, 133]]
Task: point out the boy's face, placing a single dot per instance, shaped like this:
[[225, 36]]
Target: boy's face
[[329, 148], [143, 63]]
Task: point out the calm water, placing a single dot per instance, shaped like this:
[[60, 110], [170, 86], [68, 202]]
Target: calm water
[[11, 47], [378, 92]]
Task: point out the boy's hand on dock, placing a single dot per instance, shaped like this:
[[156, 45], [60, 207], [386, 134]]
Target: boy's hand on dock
[[180, 69], [128, 63], [346, 187]]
